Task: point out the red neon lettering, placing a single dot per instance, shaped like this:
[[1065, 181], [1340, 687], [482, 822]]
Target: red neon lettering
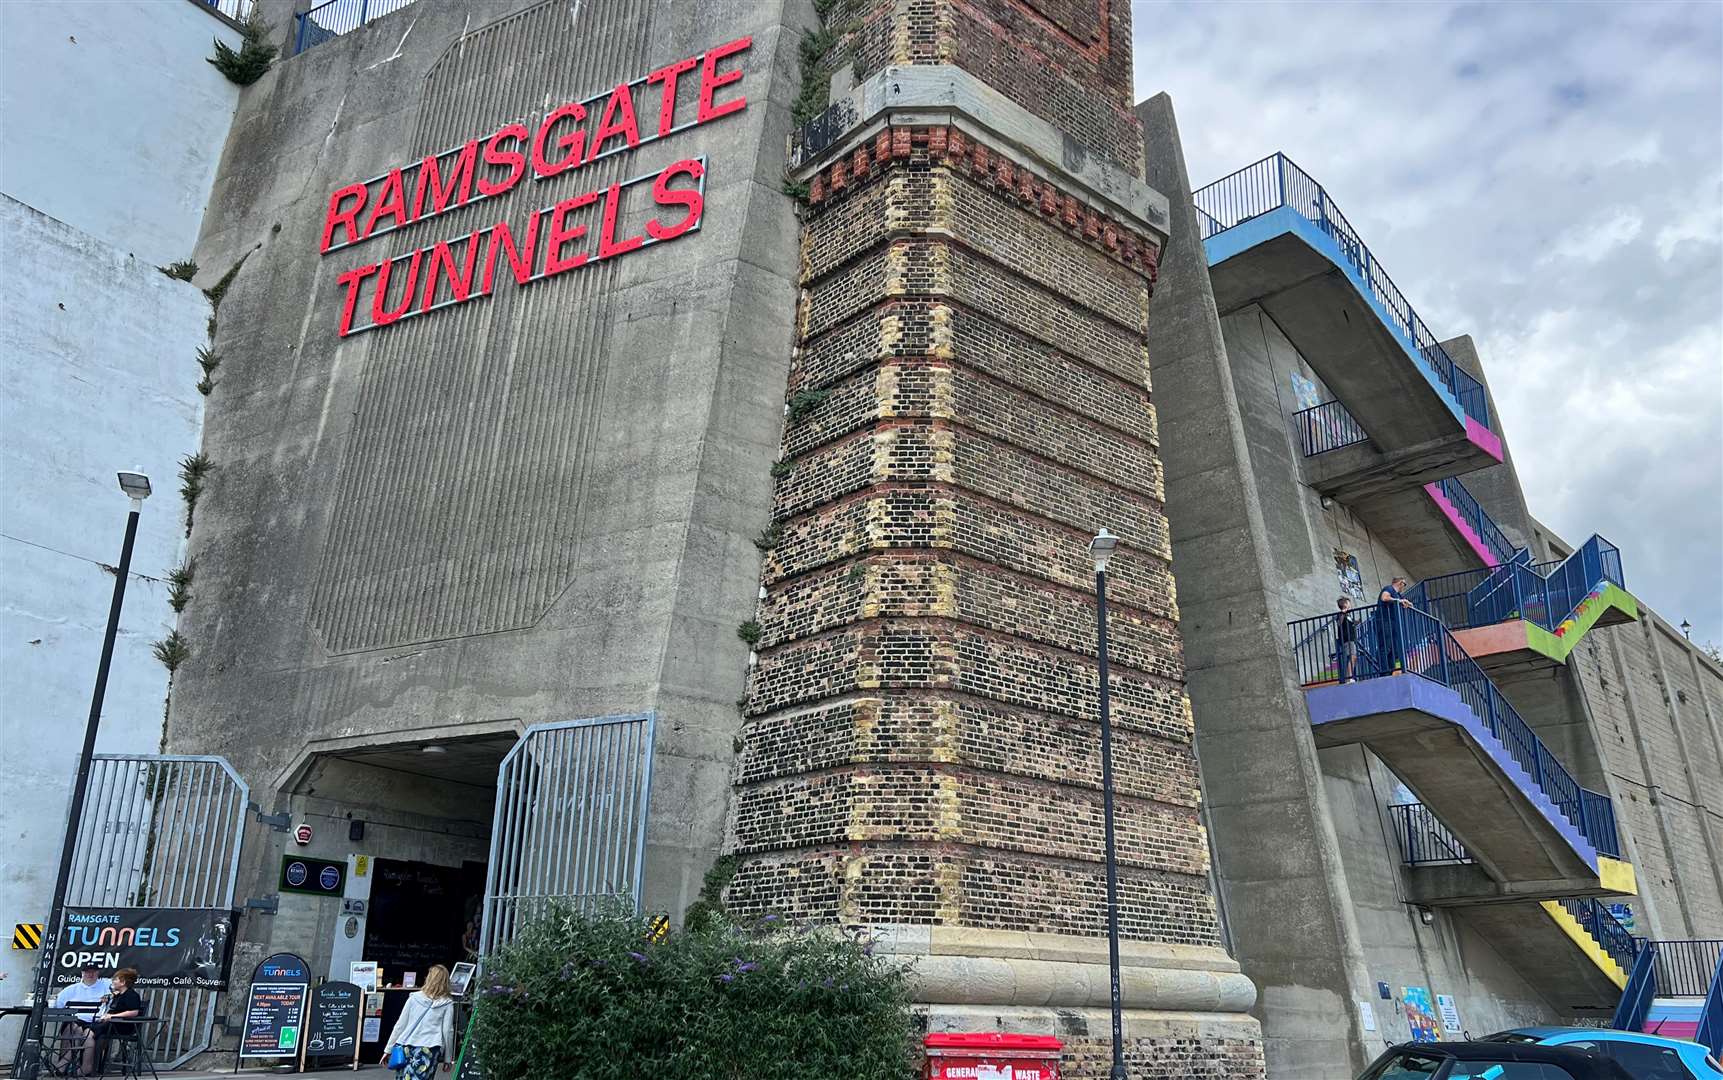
[[571, 142], [664, 195], [520, 262], [607, 245], [393, 204], [514, 159], [626, 127], [554, 263], [667, 107], [382, 316], [430, 179], [443, 259], [710, 81], [344, 218], [351, 279]]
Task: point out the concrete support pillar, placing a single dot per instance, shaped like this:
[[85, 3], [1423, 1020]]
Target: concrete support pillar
[[1671, 700], [1291, 921], [1664, 829]]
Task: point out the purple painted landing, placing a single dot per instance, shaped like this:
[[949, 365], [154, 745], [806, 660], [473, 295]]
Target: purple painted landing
[[1413, 693]]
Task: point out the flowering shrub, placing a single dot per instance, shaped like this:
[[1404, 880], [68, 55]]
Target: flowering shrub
[[594, 998]]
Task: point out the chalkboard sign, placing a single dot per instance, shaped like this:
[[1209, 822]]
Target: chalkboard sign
[[333, 1030], [273, 1015]]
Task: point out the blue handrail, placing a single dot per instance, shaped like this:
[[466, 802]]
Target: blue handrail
[[1326, 427], [1423, 838], [1544, 593], [1605, 929], [1386, 639], [1635, 1003], [1275, 182], [1500, 547], [336, 17]]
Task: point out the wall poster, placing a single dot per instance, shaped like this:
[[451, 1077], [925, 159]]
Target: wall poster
[[1420, 1014]]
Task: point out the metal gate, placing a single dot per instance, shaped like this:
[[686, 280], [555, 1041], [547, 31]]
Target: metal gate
[[570, 824], [162, 831]]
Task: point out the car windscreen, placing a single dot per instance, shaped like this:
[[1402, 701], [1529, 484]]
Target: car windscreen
[[1507, 1070], [1406, 1065]]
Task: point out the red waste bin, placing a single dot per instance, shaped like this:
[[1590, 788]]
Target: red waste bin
[[992, 1055]]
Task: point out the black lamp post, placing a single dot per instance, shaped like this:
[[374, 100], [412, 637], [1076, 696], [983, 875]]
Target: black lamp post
[[1101, 547], [137, 486]]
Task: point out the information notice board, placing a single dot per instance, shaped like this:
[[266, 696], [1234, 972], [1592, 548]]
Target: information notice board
[[275, 1008]]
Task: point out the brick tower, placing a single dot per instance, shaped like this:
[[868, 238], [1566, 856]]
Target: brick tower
[[967, 404]]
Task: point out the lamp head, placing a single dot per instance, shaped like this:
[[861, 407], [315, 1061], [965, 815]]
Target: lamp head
[[136, 485], [1101, 549]]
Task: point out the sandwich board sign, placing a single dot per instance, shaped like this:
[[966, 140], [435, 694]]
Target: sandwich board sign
[[275, 1008]]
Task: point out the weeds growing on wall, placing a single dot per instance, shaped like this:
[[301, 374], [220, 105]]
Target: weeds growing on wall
[[172, 651], [803, 402], [179, 584], [750, 632], [247, 64], [192, 469], [184, 270], [594, 996]]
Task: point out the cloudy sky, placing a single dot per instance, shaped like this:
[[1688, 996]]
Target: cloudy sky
[[1545, 177]]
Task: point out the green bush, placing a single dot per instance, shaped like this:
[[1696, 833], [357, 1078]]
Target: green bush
[[592, 997]]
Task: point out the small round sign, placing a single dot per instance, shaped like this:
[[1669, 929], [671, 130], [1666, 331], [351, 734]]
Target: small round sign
[[352, 927], [297, 874], [302, 835], [330, 878]]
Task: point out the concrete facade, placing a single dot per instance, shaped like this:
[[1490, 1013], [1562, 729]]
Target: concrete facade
[[536, 507]]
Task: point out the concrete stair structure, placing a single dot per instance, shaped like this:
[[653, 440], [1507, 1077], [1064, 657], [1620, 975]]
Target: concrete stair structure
[[1556, 954], [1525, 846], [1274, 239]]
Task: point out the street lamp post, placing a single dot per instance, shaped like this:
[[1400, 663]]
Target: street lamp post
[[136, 486], [1101, 547]]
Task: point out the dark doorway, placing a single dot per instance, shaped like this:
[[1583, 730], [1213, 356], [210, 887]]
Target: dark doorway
[[419, 914]]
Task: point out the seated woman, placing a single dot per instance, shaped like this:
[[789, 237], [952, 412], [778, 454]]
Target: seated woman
[[122, 1003]]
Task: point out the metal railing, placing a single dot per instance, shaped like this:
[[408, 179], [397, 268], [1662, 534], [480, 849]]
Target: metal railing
[[1387, 639], [1326, 427], [1500, 547], [237, 10], [337, 17], [1423, 839], [1546, 594], [1685, 968], [1605, 929], [1275, 182]]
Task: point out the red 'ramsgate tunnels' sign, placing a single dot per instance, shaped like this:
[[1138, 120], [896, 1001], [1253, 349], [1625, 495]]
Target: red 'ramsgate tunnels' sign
[[553, 240]]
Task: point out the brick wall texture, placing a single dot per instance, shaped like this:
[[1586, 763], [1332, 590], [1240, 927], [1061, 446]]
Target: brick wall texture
[[968, 402]]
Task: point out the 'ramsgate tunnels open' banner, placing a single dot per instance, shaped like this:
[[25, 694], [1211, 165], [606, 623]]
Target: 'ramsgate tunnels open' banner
[[553, 240]]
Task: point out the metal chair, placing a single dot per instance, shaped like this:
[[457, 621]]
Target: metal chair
[[128, 1039]]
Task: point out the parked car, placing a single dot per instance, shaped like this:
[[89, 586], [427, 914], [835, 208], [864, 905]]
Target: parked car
[[1491, 1061], [1646, 1057]]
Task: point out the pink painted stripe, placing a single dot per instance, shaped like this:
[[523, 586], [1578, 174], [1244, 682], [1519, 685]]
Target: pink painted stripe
[[1459, 523], [1484, 439]]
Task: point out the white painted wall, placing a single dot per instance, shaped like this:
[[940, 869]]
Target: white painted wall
[[113, 122], [96, 357]]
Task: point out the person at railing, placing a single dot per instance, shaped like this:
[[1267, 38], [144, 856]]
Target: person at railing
[[1388, 622], [1346, 635]]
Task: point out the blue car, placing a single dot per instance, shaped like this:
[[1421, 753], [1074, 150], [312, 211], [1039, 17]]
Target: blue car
[[1647, 1057]]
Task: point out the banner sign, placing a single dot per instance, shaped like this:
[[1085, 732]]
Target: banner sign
[[170, 947], [624, 216]]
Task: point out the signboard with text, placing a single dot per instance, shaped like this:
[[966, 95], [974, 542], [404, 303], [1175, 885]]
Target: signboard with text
[[624, 216], [170, 947], [333, 1027], [275, 1008], [319, 876]]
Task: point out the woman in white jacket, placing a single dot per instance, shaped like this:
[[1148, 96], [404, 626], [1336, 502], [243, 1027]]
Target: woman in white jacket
[[426, 1029]]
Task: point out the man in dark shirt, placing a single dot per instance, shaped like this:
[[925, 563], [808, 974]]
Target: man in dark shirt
[[1347, 636]]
